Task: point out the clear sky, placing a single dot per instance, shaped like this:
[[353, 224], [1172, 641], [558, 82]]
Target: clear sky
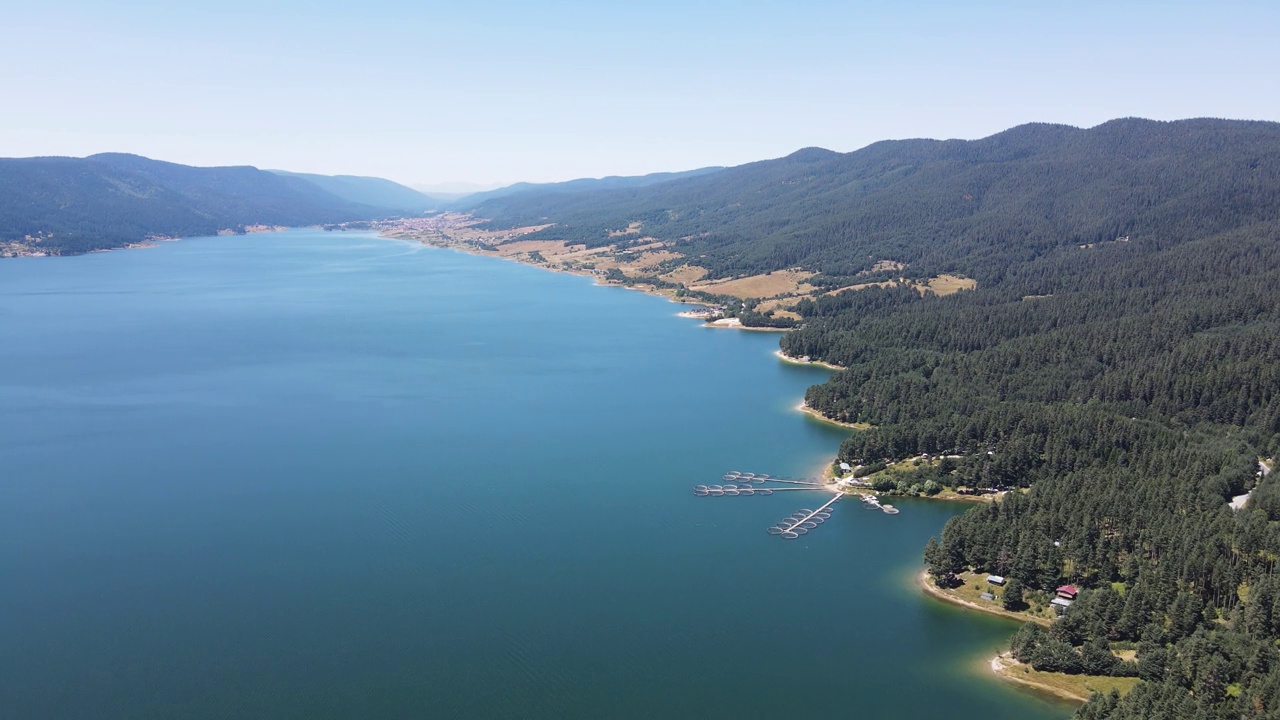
[[489, 92]]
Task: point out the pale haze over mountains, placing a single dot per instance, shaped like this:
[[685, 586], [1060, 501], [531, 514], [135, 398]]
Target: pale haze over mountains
[[425, 94]]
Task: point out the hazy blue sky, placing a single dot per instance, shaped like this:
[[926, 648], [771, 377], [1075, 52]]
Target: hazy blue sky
[[424, 92]]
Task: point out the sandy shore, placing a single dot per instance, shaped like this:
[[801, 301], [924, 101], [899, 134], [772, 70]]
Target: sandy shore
[[802, 407], [1006, 667], [736, 324], [797, 361]]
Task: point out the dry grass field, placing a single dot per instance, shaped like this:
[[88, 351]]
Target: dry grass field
[[949, 284], [782, 282]]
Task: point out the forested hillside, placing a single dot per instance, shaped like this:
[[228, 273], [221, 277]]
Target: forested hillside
[[1116, 371], [963, 207], [1132, 386], [62, 206]]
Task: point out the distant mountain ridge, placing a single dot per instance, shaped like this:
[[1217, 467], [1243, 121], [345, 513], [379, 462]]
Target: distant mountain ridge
[[62, 205], [374, 191], [610, 182]]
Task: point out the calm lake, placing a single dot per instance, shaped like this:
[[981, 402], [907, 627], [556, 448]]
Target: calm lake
[[313, 475]]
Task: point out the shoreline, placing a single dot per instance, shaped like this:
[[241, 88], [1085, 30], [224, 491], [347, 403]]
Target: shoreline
[[805, 409], [645, 288], [736, 324], [1003, 665], [996, 665], [922, 581], [811, 363], [13, 250]]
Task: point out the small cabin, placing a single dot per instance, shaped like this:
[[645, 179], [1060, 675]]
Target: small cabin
[[996, 580], [988, 596], [1060, 604], [1068, 592]]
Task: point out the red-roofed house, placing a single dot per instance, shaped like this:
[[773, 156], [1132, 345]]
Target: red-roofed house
[[1068, 592]]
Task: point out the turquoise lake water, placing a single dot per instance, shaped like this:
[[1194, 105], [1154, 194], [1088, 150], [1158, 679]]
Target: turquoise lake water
[[310, 475]]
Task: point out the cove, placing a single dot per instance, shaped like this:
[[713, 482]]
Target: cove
[[316, 475]]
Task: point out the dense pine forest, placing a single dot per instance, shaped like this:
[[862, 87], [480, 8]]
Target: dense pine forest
[[1116, 371], [1133, 402]]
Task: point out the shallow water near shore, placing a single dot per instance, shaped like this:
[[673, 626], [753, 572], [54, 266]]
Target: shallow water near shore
[[329, 475]]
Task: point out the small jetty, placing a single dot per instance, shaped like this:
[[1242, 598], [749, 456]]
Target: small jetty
[[871, 502], [799, 523]]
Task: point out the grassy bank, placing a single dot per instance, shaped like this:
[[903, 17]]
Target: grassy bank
[[1070, 687]]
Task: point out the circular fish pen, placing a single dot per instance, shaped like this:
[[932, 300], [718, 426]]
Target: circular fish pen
[[746, 491], [790, 535], [773, 530], [765, 491]]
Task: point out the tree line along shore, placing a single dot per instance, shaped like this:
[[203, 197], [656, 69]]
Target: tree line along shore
[[1114, 368]]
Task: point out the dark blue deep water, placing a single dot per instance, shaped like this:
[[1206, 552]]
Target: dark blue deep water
[[308, 475]]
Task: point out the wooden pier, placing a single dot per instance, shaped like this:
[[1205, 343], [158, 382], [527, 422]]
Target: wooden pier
[[798, 523]]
